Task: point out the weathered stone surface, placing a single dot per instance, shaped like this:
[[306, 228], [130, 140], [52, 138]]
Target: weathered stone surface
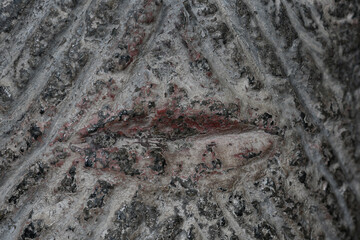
[[191, 119]]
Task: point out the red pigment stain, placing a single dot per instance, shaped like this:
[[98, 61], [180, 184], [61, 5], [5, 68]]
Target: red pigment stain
[[166, 122], [170, 123], [59, 164]]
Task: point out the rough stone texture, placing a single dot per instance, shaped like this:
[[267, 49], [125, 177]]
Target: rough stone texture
[[179, 119]]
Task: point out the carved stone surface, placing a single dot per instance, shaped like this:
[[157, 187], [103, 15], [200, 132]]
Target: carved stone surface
[[179, 119]]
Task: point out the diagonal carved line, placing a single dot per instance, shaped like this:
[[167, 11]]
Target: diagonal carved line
[[315, 156]]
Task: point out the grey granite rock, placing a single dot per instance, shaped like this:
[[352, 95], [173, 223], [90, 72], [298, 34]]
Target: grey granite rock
[[179, 119]]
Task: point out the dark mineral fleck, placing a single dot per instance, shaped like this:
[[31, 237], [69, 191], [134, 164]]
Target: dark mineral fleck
[[35, 131]]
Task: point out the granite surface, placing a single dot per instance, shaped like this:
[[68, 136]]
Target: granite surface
[[179, 119]]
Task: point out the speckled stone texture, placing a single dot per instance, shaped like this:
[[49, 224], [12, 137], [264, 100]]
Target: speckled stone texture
[[179, 119]]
